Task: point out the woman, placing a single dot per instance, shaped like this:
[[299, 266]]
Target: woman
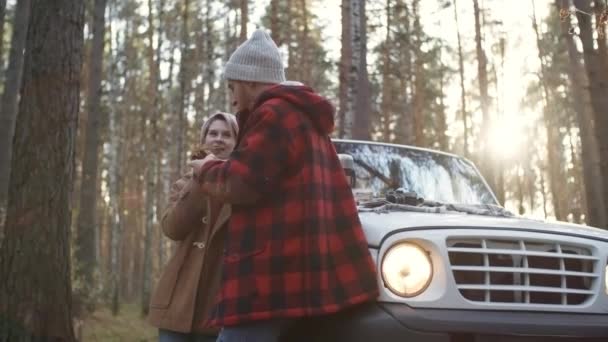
[[186, 290]]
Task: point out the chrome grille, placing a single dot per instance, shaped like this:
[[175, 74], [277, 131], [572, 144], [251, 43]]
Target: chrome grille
[[500, 270]]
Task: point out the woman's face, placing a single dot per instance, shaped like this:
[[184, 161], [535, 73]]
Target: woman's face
[[220, 139]]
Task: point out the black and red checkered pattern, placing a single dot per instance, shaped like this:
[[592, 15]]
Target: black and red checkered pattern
[[297, 248]]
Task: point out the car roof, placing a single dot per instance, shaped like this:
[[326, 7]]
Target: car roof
[[401, 146]]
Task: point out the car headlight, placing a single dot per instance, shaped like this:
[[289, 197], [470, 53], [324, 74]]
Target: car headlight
[[407, 269]]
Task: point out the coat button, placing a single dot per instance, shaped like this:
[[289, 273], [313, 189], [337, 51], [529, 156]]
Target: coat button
[[199, 245], [205, 220]]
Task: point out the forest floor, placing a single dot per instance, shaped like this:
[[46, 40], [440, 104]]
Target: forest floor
[[127, 326]]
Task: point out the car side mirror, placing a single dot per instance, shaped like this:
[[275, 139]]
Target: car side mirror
[[348, 164]]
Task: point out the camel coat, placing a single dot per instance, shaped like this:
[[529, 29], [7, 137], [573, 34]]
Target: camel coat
[[186, 291]]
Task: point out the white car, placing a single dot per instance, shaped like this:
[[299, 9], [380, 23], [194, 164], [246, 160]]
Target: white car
[[454, 266]]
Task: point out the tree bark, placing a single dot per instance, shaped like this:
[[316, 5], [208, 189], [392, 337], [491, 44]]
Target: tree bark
[[86, 246], [553, 141], [2, 20], [386, 95], [10, 96], [404, 132], [114, 157], [244, 19], [184, 89], [35, 293], [210, 50], [344, 69], [596, 216], [274, 22], [463, 98], [361, 98], [602, 28], [153, 151], [598, 88], [419, 93], [441, 124], [305, 63], [482, 74]]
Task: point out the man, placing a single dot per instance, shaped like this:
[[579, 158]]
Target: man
[[295, 246]]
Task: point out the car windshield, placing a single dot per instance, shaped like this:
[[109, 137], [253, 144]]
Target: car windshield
[[433, 176]]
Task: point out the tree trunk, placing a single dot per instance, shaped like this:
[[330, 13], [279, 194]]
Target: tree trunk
[[85, 250], [602, 33], [2, 20], [482, 74], [153, 151], [346, 56], [404, 132], [463, 98], [596, 215], [442, 126], [114, 157], [10, 96], [210, 50], [553, 141], [184, 88], [387, 89], [419, 92], [353, 72], [35, 292], [244, 19], [305, 63], [361, 98], [274, 22], [598, 88]]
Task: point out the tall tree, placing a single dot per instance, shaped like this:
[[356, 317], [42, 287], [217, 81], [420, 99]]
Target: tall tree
[[482, 76], [463, 97], [346, 56], [184, 89], [361, 96], [10, 96], [115, 157], [244, 19], [596, 215], [86, 244], [554, 144], [598, 88], [274, 22], [2, 19], [601, 24], [420, 81], [35, 293], [386, 101], [152, 150], [405, 132]]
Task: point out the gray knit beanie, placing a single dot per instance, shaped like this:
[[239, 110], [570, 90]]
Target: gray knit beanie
[[257, 60]]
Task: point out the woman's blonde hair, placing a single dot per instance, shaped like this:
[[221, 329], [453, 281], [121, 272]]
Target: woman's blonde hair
[[230, 119]]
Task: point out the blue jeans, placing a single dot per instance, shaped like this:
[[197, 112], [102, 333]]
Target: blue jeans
[[173, 336], [263, 331]]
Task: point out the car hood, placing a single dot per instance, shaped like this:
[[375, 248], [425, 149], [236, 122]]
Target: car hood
[[378, 225]]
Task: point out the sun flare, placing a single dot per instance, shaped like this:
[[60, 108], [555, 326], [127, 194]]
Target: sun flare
[[505, 138]]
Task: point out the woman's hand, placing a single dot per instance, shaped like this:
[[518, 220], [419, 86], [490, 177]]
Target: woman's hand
[[179, 185]]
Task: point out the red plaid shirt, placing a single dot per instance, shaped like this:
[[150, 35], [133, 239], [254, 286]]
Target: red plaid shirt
[[295, 246]]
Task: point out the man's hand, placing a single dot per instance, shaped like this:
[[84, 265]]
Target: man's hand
[[198, 164]]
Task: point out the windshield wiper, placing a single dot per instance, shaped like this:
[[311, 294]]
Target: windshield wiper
[[432, 207], [389, 182]]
